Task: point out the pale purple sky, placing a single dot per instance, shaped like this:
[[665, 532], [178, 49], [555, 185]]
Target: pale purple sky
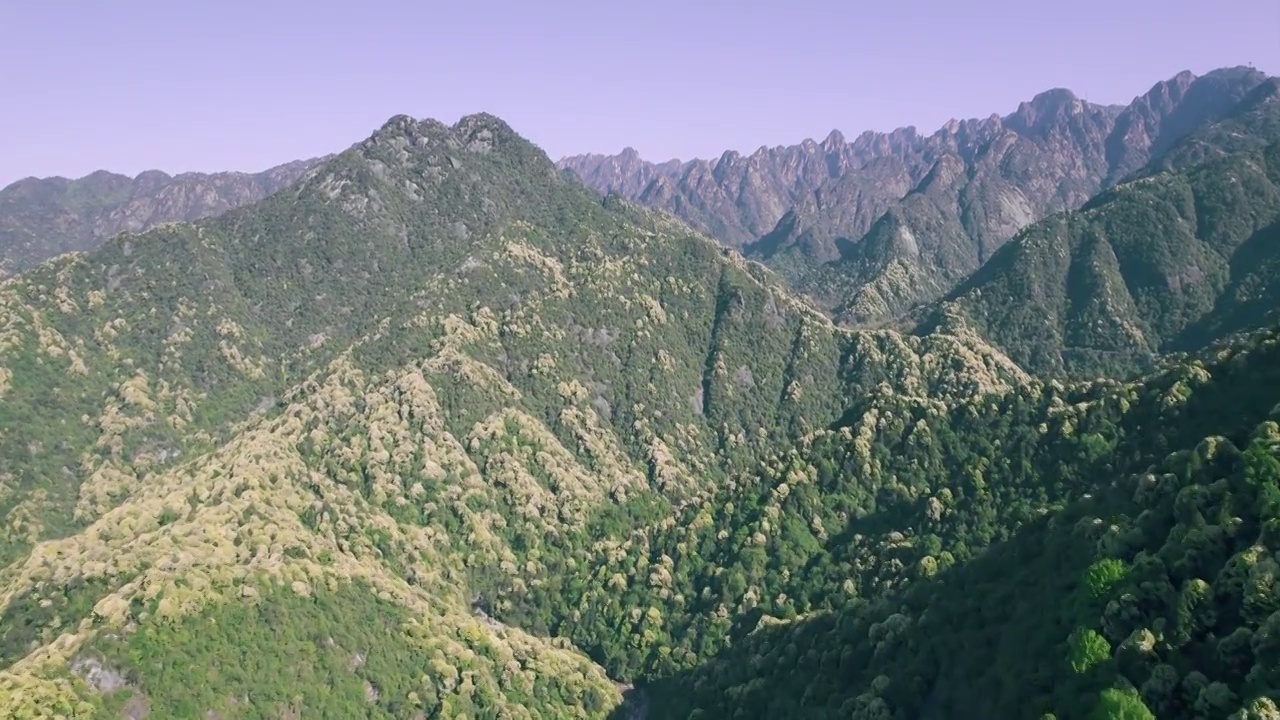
[[128, 85]]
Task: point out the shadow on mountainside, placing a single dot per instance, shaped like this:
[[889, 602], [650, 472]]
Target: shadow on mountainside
[[980, 640], [1008, 634], [635, 704], [992, 637], [1248, 300]]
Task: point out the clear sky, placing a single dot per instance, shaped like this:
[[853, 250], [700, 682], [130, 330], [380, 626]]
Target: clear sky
[[128, 85]]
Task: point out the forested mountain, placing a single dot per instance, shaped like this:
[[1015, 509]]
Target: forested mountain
[[1131, 571], [438, 432], [872, 227], [44, 217], [1172, 261], [418, 377]]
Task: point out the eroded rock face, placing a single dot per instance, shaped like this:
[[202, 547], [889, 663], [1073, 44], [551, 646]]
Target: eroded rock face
[[99, 676], [895, 219]]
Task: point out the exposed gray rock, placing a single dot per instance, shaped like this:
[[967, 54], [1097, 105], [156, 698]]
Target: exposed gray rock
[[872, 226], [98, 676]]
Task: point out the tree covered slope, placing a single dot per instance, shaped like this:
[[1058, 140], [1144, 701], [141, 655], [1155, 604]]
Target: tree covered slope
[[407, 388], [1150, 594], [1168, 262]]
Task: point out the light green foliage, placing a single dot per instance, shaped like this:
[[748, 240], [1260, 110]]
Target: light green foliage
[[1086, 648], [1103, 576], [339, 653], [1121, 705]]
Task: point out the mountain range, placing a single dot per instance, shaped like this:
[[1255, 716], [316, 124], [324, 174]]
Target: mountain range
[[436, 430], [44, 217], [1170, 261], [873, 227]]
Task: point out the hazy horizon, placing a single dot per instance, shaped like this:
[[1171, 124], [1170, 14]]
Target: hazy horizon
[[137, 85]]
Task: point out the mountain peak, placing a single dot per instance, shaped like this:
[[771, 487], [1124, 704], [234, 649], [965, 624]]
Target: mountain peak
[[1237, 72], [397, 125], [482, 119], [944, 175], [1055, 99], [477, 133], [1167, 92], [727, 159], [1045, 110], [468, 126], [482, 132], [152, 176]]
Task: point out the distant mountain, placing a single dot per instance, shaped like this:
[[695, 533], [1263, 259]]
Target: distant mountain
[[1183, 255], [44, 217], [870, 228], [625, 174]]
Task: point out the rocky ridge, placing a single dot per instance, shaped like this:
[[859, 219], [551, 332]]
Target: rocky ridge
[[871, 226]]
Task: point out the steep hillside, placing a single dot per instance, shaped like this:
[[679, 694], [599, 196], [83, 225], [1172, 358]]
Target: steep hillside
[[872, 227], [321, 442], [1150, 594], [41, 218], [1187, 253]]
